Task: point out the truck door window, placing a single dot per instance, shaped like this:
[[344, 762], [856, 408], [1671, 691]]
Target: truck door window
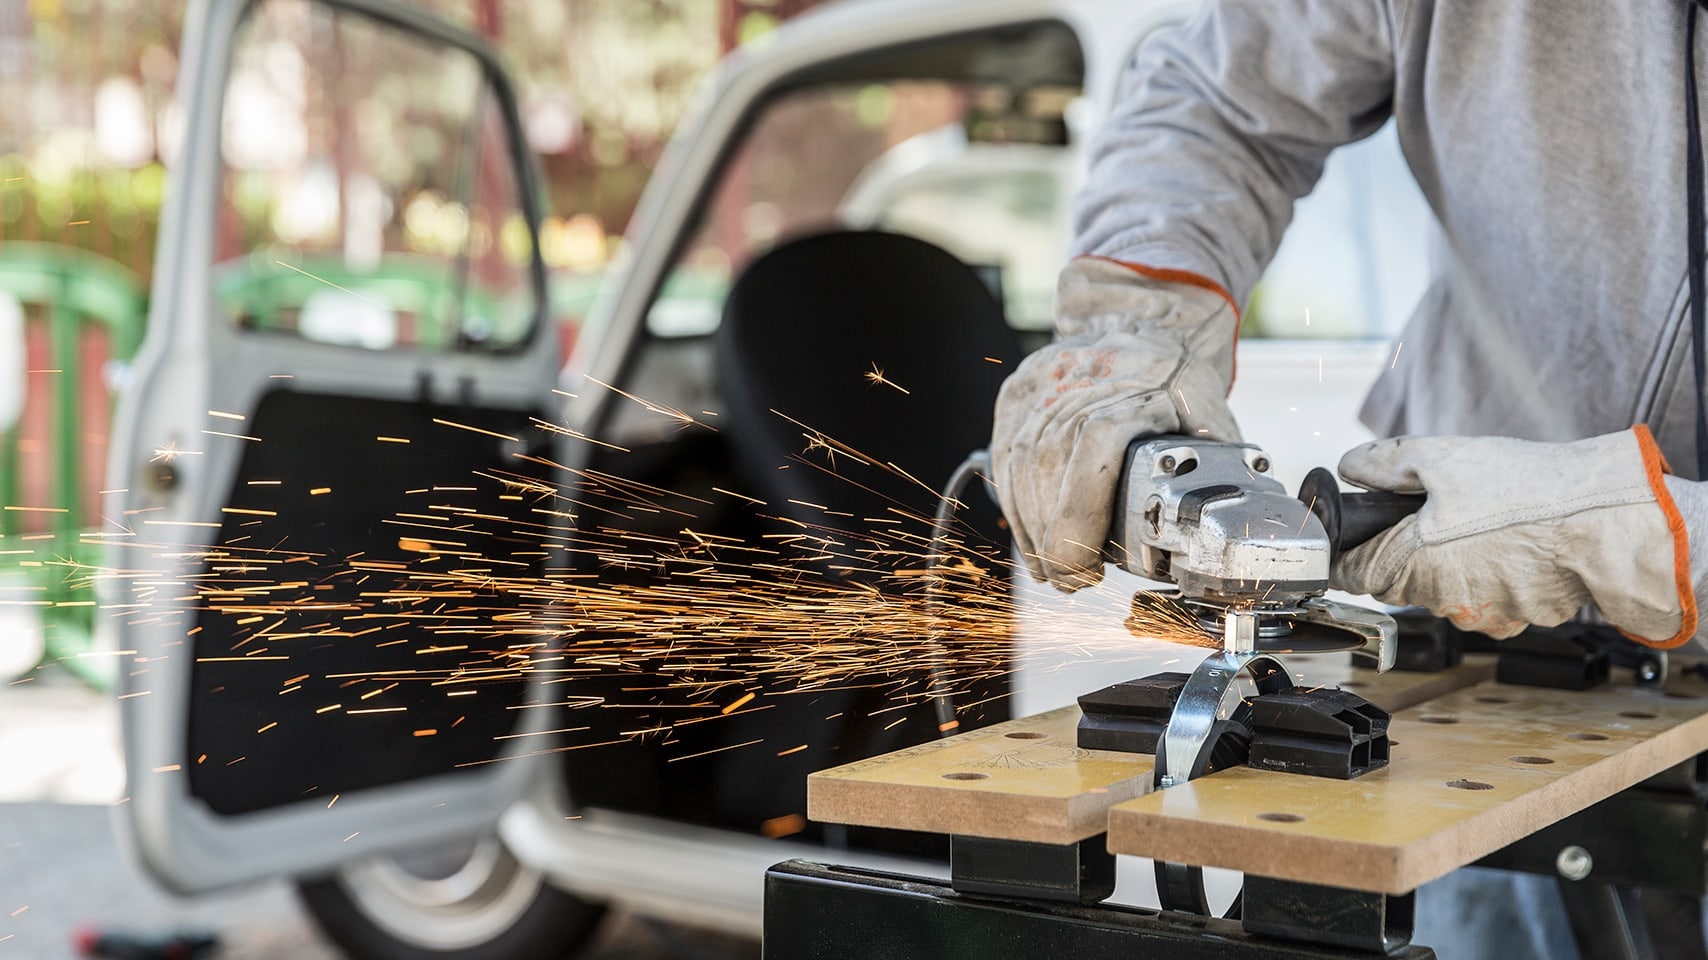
[[910, 156], [369, 195]]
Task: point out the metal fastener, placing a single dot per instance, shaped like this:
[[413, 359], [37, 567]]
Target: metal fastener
[[1574, 862]]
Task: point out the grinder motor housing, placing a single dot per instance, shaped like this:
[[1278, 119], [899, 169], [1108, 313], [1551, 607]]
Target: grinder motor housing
[[1209, 517]]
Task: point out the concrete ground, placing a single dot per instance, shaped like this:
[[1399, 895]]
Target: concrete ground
[[61, 867]]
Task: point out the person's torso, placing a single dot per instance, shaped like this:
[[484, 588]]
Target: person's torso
[[1549, 138]]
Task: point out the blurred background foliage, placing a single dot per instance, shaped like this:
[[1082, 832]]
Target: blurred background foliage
[[88, 123]]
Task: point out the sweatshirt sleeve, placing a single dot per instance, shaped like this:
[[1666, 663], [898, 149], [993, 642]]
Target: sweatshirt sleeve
[[1223, 122]]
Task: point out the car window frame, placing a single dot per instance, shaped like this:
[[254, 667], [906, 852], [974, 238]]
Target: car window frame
[[530, 191]]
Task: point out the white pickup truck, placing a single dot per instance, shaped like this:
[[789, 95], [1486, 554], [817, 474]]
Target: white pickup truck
[[348, 363]]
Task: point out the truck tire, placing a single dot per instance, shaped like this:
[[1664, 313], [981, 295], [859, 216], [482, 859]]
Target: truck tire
[[470, 901]]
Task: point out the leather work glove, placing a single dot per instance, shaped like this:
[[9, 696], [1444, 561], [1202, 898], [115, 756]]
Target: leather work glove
[[1517, 533], [1141, 352]]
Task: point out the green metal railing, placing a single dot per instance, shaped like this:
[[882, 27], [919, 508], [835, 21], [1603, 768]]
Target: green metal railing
[[71, 290]]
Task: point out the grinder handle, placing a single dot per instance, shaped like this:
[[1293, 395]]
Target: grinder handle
[[1353, 519]]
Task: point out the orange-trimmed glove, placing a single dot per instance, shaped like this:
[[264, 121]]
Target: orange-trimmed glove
[[1517, 533], [1142, 352]]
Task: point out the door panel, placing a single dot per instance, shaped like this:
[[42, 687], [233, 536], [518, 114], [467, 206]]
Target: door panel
[[414, 684], [317, 548]]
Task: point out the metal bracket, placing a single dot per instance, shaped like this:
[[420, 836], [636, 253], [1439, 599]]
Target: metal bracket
[[1327, 916], [1082, 872], [1185, 743], [1424, 643]]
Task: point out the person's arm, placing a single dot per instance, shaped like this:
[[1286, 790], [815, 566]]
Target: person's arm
[[1222, 123]]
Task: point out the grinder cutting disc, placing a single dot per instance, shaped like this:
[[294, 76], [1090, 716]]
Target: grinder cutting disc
[[1312, 638], [1279, 631]]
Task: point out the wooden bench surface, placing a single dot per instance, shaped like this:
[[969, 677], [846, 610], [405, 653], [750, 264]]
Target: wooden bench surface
[[1027, 779], [1471, 772]]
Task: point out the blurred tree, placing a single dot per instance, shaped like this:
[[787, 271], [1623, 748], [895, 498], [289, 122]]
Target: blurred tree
[[90, 123]]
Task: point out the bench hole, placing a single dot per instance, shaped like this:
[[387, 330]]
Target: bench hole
[[966, 776], [1493, 700], [1637, 714], [1680, 695], [1025, 735], [1586, 736], [1439, 719], [1470, 785], [1281, 817], [1535, 760]]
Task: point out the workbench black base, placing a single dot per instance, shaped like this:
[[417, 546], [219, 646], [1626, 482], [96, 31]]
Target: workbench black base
[[816, 912]]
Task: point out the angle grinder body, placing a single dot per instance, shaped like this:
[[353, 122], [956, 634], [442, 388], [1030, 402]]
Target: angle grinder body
[[1250, 560]]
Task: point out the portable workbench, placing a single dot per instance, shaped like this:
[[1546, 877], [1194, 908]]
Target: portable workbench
[[1602, 788]]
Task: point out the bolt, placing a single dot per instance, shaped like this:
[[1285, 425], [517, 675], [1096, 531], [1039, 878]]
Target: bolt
[[1260, 464], [1166, 464], [1574, 862]]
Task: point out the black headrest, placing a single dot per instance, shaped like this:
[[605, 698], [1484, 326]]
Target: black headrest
[[881, 342]]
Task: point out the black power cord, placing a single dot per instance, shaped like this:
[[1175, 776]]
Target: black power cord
[[976, 465], [1696, 222]]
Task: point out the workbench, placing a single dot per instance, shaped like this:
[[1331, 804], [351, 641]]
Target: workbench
[[1601, 787]]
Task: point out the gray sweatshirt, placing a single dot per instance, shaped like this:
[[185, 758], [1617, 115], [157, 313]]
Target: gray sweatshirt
[[1548, 138]]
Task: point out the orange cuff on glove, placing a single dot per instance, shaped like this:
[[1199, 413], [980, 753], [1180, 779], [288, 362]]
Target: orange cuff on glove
[[1187, 277], [1655, 467]]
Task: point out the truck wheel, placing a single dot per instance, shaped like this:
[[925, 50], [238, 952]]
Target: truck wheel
[[470, 901]]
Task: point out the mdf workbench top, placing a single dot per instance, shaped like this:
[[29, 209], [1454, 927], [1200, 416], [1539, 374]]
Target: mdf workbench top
[[1028, 780], [1471, 772]]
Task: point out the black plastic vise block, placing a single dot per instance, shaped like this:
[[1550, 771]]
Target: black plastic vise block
[[1568, 657], [1319, 733], [1129, 716]]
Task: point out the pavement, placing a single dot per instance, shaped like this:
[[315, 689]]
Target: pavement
[[61, 867]]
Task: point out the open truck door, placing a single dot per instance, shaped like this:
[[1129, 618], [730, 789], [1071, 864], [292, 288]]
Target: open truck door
[[320, 596]]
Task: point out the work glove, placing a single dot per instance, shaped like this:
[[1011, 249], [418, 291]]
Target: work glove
[[1141, 352], [1517, 533]]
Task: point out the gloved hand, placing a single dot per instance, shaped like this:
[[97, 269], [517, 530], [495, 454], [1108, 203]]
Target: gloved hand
[[1517, 533], [1140, 354]]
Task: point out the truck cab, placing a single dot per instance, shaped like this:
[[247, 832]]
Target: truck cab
[[369, 532]]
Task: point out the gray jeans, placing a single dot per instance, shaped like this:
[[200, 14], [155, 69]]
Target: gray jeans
[[1475, 914]]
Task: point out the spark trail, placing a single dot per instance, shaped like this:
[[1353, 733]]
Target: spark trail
[[612, 592]]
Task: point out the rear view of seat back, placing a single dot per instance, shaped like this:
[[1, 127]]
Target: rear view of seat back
[[877, 342]]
